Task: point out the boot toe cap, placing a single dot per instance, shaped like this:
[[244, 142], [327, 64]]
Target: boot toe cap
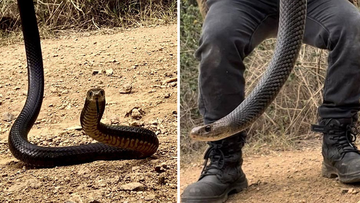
[[200, 189]]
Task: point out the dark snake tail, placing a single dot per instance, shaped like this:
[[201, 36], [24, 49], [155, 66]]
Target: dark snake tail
[[39, 156]]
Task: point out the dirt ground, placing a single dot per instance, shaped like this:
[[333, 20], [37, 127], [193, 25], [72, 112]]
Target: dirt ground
[[143, 58], [284, 176]]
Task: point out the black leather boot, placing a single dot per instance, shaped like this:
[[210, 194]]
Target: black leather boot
[[222, 176], [341, 156]]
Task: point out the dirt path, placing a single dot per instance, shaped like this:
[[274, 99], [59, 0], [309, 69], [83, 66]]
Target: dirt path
[[291, 176], [144, 58]]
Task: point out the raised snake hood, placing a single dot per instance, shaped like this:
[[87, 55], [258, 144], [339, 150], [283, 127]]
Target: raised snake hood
[[290, 35]]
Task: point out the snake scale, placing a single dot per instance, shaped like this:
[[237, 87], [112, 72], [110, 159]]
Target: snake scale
[[119, 142], [290, 34]]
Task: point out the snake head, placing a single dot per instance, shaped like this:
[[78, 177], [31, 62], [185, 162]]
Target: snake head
[[95, 95], [210, 132]]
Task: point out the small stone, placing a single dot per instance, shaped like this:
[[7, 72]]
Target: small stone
[[34, 183], [170, 80], [149, 197], [16, 187], [167, 95], [173, 186], [134, 186], [135, 114], [136, 123], [164, 165], [8, 116], [352, 191], [53, 89], [115, 120], [109, 72], [126, 89], [56, 189], [77, 127], [84, 170], [344, 190]]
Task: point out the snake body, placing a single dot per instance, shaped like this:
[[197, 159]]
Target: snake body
[[122, 142], [290, 35]]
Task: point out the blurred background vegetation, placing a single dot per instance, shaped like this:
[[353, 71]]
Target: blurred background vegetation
[[285, 124], [54, 16]]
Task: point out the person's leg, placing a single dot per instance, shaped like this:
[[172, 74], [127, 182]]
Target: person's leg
[[231, 30], [335, 25]]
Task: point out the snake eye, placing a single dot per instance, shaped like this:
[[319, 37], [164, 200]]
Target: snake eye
[[90, 94], [207, 128]]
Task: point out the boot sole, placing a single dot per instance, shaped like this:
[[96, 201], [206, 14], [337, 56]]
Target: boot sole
[[332, 172], [235, 188]]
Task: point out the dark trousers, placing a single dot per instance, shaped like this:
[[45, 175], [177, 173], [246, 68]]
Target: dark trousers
[[233, 28]]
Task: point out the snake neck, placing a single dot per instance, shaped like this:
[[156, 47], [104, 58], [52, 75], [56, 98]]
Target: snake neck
[[92, 112]]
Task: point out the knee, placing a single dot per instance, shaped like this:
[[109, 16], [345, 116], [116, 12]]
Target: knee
[[221, 36], [218, 34], [220, 43]]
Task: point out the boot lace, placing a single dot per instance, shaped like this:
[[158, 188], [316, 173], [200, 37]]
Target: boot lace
[[343, 134], [216, 156], [345, 141]]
